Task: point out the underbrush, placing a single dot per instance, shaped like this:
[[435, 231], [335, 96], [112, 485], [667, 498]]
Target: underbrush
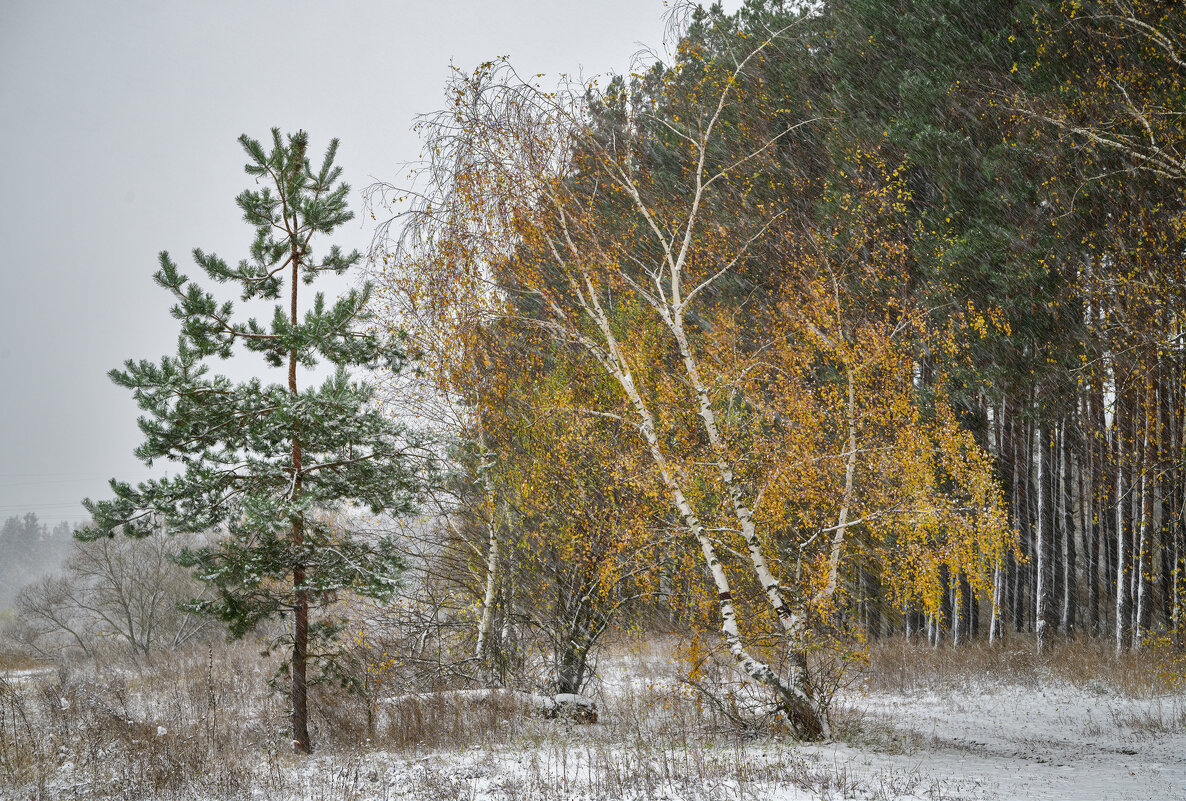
[[202, 724], [13, 662], [179, 726], [1091, 665]]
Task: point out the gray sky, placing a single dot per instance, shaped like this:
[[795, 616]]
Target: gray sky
[[118, 123]]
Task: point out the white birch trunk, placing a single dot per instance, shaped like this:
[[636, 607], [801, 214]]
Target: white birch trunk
[[487, 615], [491, 585], [994, 623], [957, 608], [803, 711], [791, 622]]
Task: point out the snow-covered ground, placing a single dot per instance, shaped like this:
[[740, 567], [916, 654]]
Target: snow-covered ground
[[1052, 742], [990, 737], [1002, 743]]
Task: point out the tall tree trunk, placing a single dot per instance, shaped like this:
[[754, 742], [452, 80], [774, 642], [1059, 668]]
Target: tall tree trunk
[[1057, 532], [300, 639], [1110, 514], [487, 615], [1012, 569], [1177, 500], [1145, 504], [1165, 487], [1001, 571], [1070, 595], [1123, 532], [994, 615], [1090, 508], [1045, 546], [1133, 510], [1023, 614], [944, 616]]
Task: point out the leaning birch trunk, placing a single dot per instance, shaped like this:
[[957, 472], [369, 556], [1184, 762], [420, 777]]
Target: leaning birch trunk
[[795, 697], [671, 310], [793, 621], [803, 711]]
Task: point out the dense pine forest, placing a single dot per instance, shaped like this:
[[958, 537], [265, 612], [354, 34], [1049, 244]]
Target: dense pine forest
[[799, 415]]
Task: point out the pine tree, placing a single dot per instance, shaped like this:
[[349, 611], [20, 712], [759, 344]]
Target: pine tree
[[269, 465]]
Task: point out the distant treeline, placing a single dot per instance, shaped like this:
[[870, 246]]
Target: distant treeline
[[30, 549]]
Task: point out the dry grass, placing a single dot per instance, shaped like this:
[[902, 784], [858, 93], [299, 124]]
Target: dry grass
[[170, 729], [1086, 664], [11, 662], [202, 724]]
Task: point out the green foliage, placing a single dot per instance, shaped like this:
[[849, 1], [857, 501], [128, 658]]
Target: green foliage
[[276, 470]]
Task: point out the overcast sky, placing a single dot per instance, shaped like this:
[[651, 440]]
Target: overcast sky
[[118, 123]]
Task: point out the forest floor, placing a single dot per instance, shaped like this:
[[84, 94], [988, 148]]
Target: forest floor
[[924, 724]]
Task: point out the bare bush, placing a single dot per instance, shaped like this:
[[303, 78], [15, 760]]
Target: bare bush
[[119, 590]]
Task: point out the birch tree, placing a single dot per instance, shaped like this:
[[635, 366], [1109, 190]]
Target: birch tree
[[625, 224]]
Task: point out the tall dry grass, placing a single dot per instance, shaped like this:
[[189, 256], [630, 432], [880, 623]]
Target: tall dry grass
[[1157, 668], [202, 723]]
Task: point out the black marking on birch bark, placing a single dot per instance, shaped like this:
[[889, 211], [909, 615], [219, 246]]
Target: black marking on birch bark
[[725, 596]]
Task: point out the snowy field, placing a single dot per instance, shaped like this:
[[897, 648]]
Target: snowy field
[[1009, 743], [1026, 734]]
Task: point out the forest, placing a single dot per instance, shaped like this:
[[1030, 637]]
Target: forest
[[827, 371]]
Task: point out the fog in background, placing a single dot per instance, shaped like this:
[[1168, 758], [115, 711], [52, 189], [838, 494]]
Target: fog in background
[[119, 140]]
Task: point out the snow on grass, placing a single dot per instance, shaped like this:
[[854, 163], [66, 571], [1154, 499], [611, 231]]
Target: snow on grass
[[151, 733], [1054, 742]]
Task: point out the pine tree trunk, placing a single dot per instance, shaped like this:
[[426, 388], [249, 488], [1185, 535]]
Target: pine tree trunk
[[1110, 515], [1123, 531], [1045, 543], [1178, 501], [1090, 525], [1023, 613], [1012, 570], [1058, 533], [1070, 596], [1145, 504], [1165, 486], [300, 640], [1001, 571]]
